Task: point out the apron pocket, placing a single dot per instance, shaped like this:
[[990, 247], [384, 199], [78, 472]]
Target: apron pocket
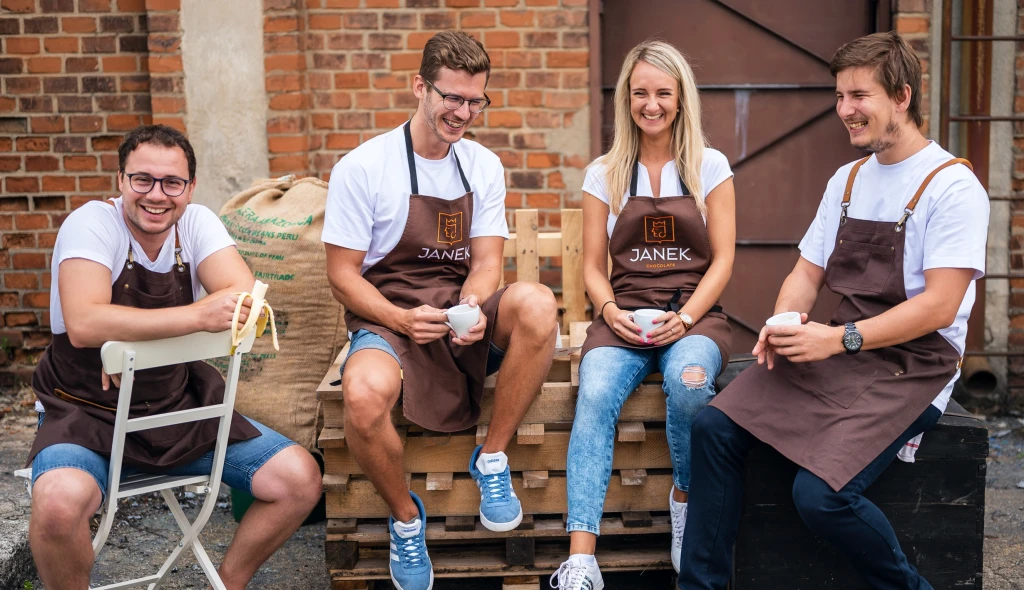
[[841, 379], [860, 266]]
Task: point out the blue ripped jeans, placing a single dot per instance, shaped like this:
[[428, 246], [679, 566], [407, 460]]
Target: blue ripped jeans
[[607, 376]]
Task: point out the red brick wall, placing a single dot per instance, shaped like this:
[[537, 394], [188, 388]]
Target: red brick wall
[[913, 21], [74, 80], [340, 72]]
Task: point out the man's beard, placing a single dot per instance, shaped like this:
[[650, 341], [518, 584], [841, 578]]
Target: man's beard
[[887, 140]]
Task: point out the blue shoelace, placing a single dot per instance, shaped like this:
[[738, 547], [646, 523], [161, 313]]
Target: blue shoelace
[[411, 551]]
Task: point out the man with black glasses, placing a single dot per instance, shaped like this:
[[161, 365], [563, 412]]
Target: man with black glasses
[[405, 211], [131, 268]]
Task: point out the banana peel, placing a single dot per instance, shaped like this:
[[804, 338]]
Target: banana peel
[[260, 314]]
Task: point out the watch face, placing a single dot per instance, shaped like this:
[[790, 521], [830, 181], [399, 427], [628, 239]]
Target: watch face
[[852, 341]]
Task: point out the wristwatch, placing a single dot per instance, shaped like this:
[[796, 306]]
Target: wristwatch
[[687, 320], [852, 340]]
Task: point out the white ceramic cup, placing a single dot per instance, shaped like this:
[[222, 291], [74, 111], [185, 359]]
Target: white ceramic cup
[[461, 318], [644, 318], [786, 318]]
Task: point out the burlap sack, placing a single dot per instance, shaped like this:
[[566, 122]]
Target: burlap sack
[[277, 224]]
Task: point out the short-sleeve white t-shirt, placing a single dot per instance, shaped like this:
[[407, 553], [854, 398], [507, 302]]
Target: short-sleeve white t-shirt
[[368, 195], [948, 229], [714, 170], [98, 232]]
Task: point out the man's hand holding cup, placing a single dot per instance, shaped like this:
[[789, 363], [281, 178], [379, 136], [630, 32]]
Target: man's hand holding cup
[[467, 324]]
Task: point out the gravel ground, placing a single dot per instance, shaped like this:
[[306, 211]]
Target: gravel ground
[[144, 532]]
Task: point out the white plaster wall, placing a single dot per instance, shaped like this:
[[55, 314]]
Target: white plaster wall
[[222, 53], [1004, 22]]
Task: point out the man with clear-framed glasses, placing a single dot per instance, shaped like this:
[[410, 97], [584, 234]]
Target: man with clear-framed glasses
[[131, 268], [414, 230]]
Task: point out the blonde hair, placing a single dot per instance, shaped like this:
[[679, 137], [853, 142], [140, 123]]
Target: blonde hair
[[688, 141]]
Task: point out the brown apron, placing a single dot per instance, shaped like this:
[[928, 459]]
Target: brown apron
[[660, 251], [442, 383], [833, 417], [79, 411]]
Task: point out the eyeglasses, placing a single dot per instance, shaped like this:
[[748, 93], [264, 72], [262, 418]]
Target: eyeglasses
[[454, 101], [143, 183]]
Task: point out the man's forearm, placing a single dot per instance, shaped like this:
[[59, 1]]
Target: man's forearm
[[105, 322], [482, 283], [363, 299], [798, 293]]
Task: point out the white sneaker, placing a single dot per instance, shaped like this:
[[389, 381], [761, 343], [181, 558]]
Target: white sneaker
[[678, 510], [579, 572]]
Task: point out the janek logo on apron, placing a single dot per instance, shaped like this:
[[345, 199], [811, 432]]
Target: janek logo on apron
[[442, 383], [650, 269], [834, 416]]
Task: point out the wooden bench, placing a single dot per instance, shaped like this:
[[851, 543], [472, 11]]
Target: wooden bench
[[774, 549]]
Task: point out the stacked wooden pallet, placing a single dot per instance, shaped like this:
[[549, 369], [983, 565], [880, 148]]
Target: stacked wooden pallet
[[437, 465]]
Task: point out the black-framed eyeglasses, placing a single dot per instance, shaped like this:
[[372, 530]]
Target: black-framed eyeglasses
[[454, 102], [143, 183]]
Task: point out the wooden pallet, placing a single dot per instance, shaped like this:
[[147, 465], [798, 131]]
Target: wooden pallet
[[348, 540]]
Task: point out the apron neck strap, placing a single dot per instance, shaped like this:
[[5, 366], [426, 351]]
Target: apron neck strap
[[849, 188], [909, 209], [635, 179], [411, 158], [177, 252]]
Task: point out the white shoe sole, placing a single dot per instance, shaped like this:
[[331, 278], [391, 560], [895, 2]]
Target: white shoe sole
[[399, 586], [501, 527]]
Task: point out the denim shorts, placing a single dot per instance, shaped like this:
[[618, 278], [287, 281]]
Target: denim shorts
[[365, 339], [242, 461]]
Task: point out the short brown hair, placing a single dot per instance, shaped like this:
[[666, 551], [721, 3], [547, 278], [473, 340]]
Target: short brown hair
[[895, 64], [160, 135], [454, 50]]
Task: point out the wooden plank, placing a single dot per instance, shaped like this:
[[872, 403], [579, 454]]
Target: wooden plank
[[577, 336], [375, 533], [634, 520], [341, 554], [362, 501], [633, 477], [632, 432], [335, 482], [520, 550], [535, 479], [527, 255], [459, 524], [436, 439], [463, 562], [344, 525], [556, 403], [439, 481], [481, 434], [549, 243], [573, 290], [530, 434], [331, 438], [419, 457], [332, 374]]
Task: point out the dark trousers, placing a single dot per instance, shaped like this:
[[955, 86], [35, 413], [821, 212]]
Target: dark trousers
[[845, 518]]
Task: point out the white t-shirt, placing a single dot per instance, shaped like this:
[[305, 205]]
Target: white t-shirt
[[948, 229], [714, 170], [368, 195], [98, 232]]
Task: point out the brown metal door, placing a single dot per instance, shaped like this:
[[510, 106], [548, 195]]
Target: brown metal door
[[769, 105]]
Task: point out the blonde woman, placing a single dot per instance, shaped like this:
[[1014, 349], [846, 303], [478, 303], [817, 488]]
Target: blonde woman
[[661, 205]]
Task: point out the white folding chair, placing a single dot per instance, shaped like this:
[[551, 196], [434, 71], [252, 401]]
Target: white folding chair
[[128, 357]]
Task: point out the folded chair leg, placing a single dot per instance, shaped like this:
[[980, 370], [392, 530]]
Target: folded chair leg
[[190, 540]]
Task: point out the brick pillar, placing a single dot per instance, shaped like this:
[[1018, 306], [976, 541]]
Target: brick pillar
[[167, 76], [913, 22], [1016, 337], [288, 93], [74, 80]]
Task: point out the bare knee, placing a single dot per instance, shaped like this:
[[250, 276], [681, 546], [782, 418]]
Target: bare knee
[[695, 377], [534, 308], [62, 500], [369, 395], [292, 477]]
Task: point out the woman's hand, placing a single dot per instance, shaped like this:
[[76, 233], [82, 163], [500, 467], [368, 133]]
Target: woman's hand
[[621, 322], [670, 328]]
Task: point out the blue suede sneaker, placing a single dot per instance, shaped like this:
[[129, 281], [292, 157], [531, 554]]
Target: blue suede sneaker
[[500, 509], [410, 564]]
